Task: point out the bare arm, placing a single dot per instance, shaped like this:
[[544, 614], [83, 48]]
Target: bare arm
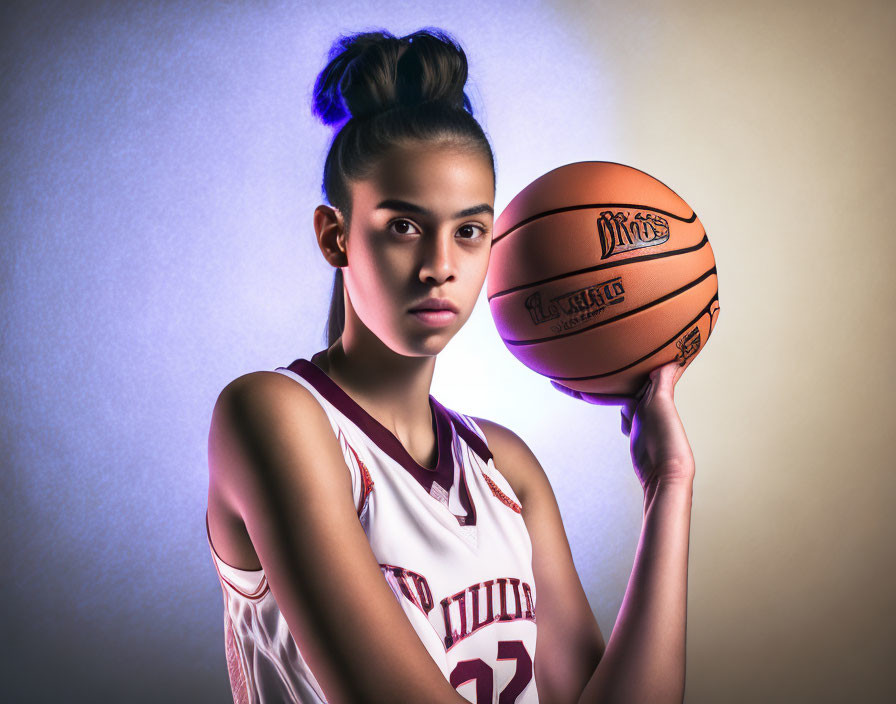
[[645, 657], [644, 660], [275, 462], [569, 642]]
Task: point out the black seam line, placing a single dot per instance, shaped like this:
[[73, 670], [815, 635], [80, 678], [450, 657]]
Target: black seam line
[[577, 331], [691, 218], [706, 310], [607, 265]]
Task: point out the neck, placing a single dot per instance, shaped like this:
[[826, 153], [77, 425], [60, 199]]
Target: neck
[[392, 388]]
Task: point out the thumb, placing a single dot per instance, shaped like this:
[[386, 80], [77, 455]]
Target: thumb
[[665, 376]]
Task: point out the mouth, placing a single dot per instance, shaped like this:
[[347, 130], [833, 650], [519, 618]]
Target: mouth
[[434, 317], [434, 304]]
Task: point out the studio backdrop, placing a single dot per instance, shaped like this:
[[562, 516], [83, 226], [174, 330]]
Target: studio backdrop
[[160, 167]]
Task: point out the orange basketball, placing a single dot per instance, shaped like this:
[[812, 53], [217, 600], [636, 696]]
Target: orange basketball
[[600, 273]]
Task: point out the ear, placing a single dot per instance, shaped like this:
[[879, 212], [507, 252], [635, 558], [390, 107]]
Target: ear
[[330, 228]]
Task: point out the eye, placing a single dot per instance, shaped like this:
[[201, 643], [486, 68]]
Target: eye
[[402, 224], [467, 227]]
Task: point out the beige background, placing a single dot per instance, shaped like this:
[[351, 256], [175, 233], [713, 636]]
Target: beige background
[[779, 118]]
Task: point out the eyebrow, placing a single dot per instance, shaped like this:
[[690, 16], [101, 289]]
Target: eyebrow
[[395, 204]]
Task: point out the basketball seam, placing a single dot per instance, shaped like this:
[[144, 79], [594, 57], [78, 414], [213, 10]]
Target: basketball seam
[[586, 206], [607, 265], [621, 316], [706, 309]]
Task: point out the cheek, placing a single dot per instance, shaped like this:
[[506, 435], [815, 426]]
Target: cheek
[[374, 280], [478, 268], [486, 257]]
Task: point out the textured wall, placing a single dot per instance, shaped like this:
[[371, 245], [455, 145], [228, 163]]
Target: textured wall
[[159, 170]]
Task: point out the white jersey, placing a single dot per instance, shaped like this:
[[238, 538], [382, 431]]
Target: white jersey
[[451, 543]]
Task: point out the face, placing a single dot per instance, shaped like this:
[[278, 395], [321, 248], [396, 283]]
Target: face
[[421, 227]]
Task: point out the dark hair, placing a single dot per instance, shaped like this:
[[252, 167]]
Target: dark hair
[[377, 91]]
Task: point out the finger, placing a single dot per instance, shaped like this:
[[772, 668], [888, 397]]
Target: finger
[[599, 399], [607, 399], [643, 390], [566, 390], [665, 376], [626, 425], [679, 370]]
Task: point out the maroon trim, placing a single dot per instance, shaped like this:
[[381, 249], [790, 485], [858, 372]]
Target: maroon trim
[[367, 482], [375, 430], [442, 474], [476, 443], [469, 507]]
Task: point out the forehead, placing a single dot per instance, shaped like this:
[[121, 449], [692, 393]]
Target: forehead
[[443, 179]]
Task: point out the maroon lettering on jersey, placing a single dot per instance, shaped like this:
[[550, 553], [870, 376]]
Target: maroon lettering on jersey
[[530, 606], [454, 608], [412, 586], [490, 614]]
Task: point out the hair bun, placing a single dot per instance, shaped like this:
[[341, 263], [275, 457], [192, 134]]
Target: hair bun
[[371, 72]]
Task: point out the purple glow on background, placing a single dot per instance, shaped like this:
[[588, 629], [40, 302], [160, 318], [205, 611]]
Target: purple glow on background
[[160, 168], [162, 165]]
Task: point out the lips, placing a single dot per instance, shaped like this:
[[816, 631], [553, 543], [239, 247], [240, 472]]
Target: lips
[[435, 318], [435, 304]]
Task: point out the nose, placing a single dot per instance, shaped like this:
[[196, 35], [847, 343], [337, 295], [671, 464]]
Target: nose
[[438, 258]]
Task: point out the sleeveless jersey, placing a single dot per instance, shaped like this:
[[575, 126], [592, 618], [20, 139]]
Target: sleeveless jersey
[[451, 544]]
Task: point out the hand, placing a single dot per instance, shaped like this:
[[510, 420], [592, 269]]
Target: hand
[[659, 446]]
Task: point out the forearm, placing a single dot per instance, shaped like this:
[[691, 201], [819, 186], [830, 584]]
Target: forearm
[[644, 661]]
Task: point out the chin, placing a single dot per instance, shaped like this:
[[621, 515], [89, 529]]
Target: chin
[[428, 346]]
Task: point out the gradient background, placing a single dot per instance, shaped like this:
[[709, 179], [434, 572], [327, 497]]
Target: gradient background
[[160, 166]]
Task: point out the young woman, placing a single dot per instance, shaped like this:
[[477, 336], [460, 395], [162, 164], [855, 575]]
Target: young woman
[[374, 545]]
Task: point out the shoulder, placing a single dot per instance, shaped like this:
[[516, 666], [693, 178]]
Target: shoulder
[[259, 421], [262, 425], [262, 387], [260, 399], [513, 458]]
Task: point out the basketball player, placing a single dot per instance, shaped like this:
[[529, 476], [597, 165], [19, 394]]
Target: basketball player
[[374, 545]]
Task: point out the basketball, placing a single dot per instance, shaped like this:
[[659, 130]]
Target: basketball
[[600, 273]]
